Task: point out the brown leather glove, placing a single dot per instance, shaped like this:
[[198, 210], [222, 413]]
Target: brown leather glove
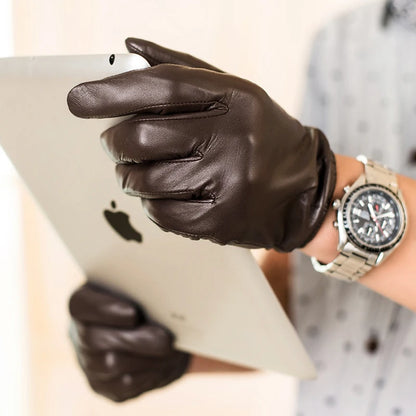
[[122, 354], [211, 155]]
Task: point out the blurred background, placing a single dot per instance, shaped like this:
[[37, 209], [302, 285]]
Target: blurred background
[[266, 41]]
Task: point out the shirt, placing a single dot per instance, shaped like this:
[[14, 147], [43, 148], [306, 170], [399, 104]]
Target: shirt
[[361, 92]]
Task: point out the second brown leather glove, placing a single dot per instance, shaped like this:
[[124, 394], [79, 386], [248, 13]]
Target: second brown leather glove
[[211, 155], [121, 353]]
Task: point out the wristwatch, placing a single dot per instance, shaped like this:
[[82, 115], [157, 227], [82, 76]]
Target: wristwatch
[[371, 221]]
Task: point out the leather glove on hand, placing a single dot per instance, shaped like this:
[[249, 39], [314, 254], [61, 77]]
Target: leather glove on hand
[[121, 354], [211, 155]]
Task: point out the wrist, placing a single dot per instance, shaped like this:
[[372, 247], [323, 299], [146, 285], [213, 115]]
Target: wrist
[[324, 245]]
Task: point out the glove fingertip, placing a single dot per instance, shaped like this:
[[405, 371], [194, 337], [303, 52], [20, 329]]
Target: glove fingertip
[[75, 99], [144, 48], [158, 339], [96, 305], [130, 44]]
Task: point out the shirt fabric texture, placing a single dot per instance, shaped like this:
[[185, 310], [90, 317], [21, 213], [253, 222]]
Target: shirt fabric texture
[[361, 92]]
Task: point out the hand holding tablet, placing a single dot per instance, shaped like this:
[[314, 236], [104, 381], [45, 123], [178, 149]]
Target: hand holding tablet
[[211, 155], [121, 353]]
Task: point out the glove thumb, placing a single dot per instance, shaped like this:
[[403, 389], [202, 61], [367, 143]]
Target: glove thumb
[[156, 54]]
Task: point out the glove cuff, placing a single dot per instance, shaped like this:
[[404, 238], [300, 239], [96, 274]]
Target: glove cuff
[[327, 177], [310, 208]]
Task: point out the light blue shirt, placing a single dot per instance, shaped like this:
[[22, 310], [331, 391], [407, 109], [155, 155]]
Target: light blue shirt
[[361, 92]]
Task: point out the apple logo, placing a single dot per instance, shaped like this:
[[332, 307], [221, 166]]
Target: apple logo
[[120, 222]]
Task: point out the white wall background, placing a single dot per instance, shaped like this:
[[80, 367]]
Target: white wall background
[[266, 41], [13, 330]]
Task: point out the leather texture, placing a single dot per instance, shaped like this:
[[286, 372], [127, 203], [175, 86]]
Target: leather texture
[[211, 155], [121, 352]]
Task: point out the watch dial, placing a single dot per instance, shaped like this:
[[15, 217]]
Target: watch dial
[[373, 217]]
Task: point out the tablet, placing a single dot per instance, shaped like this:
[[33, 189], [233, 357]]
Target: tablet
[[214, 298]]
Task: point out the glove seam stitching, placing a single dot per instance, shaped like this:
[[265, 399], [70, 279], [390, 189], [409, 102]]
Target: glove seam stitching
[[221, 106]]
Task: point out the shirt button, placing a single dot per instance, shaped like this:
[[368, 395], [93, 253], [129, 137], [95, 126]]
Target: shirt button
[[372, 344]]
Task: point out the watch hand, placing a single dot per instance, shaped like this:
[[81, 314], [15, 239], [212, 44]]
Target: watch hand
[[371, 209], [373, 217], [387, 214]]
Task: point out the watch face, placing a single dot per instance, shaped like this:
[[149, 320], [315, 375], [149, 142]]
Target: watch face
[[373, 217]]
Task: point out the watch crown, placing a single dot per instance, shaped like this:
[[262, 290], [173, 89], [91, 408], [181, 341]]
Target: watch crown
[[336, 204], [346, 188], [363, 159]]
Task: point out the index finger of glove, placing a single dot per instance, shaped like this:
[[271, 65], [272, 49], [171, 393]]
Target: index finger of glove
[[156, 54], [95, 305], [162, 90]]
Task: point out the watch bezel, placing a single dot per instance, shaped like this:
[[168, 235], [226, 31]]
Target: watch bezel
[[346, 220]]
